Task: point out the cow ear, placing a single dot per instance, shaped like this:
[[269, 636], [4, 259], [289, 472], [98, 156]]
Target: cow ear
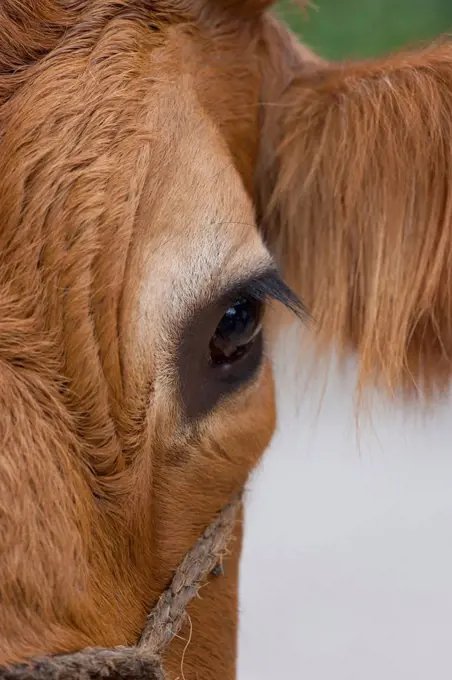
[[355, 199]]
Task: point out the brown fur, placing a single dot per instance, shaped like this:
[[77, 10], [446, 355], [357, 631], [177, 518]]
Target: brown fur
[[80, 485], [361, 211], [134, 137]]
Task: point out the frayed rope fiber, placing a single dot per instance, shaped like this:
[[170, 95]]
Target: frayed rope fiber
[[164, 622]]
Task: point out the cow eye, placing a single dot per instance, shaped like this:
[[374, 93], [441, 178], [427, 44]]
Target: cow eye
[[221, 349], [237, 331]]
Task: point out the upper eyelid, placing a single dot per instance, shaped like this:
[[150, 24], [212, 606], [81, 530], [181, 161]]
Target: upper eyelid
[[269, 286]]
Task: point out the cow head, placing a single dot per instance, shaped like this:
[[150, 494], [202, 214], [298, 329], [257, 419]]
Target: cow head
[[135, 287]]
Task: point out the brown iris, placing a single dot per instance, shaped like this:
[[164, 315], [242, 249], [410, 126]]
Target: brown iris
[[236, 332]]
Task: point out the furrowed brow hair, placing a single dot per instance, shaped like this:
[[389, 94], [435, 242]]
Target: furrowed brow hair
[[270, 285]]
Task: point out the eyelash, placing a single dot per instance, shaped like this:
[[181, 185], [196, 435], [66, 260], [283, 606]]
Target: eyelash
[[268, 289]]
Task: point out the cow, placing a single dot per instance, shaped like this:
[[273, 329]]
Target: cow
[[174, 175]]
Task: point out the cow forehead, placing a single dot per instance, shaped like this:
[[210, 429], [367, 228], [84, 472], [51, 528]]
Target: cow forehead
[[131, 161]]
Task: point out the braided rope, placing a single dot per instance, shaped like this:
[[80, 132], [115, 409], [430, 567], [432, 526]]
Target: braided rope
[[165, 620], [143, 661]]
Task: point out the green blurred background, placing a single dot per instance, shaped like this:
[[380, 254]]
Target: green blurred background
[[364, 28]]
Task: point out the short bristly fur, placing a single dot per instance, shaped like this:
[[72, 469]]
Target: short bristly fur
[[112, 113]]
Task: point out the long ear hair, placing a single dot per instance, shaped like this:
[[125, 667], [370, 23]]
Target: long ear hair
[[359, 210]]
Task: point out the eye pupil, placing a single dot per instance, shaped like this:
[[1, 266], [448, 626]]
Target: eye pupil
[[236, 331], [236, 322]]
